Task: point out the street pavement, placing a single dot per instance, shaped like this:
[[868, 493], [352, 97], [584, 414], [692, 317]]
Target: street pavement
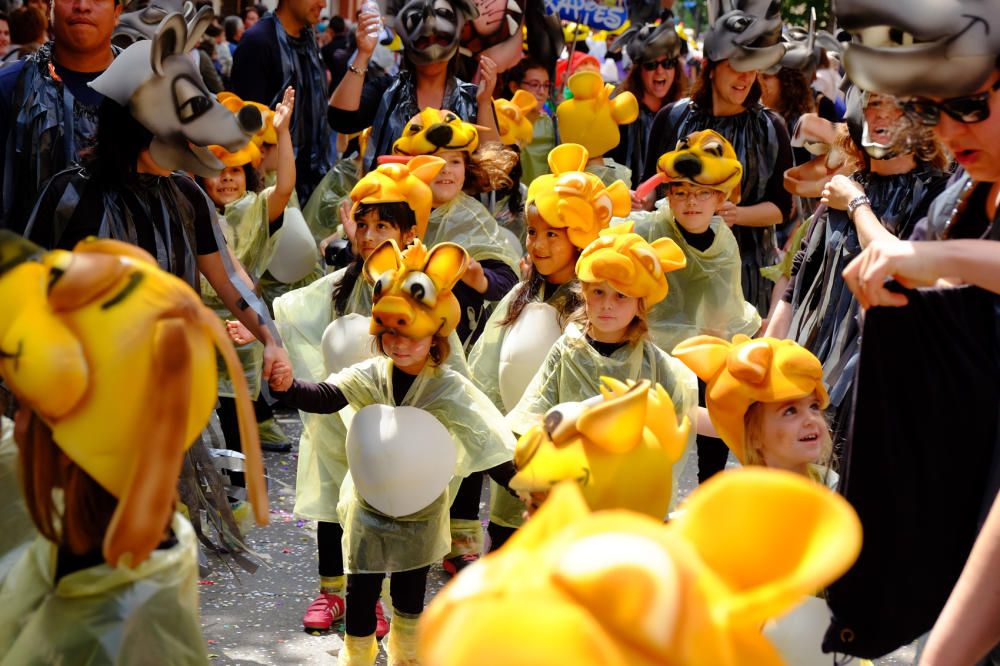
[[257, 619]]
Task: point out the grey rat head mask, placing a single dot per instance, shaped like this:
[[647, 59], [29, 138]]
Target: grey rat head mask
[[431, 30], [141, 22], [801, 50], [893, 143], [160, 84], [748, 34], [649, 42], [936, 48]]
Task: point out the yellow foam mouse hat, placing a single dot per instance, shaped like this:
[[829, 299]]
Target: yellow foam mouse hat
[[395, 182], [412, 290], [746, 371], [705, 159], [572, 199], [618, 588], [629, 264], [119, 359], [267, 133], [434, 131], [591, 118], [620, 448], [512, 118], [248, 154]]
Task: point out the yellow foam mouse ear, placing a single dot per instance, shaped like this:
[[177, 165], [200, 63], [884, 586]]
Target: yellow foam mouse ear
[[568, 157], [751, 363], [621, 199], [525, 101], [624, 107], [670, 254], [587, 85], [386, 257], [445, 264], [563, 506], [772, 537], [613, 388], [616, 425], [425, 167], [705, 355], [661, 418]]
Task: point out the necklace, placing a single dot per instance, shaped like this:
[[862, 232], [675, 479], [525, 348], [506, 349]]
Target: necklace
[[961, 205]]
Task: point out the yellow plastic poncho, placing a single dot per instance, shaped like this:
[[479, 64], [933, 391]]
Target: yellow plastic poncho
[[103, 615], [573, 369], [247, 232], [705, 297], [466, 222], [535, 155], [16, 528], [301, 316], [374, 542], [611, 171], [322, 210]]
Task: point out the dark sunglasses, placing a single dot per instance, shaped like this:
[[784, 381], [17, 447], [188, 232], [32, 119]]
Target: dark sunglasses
[[969, 109], [665, 64]]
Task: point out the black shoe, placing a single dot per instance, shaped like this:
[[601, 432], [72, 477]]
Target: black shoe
[[276, 447]]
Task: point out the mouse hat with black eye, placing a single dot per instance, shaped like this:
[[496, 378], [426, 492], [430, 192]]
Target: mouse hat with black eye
[[162, 88], [396, 182], [747, 33], [745, 371], [434, 131]]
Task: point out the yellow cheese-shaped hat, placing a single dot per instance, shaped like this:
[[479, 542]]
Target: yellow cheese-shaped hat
[[591, 118], [746, 371], [434, 131], [512, 118], [705, 159], [397, 182], [572, 199], [629, 264]]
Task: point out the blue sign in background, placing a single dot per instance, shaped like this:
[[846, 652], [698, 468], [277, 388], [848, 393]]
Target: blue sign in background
[[598, 14]]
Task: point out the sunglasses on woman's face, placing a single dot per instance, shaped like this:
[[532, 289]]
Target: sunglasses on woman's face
[[665, 64], [968, 109]]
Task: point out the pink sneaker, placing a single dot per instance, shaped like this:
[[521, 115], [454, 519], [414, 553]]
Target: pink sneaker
[[453, 565], [323, 612], [381, 624]]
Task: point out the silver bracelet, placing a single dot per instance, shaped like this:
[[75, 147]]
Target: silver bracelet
[[359, 72], [855, 203]]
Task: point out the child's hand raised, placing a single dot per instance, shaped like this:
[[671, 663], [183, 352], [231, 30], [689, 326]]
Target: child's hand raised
[[283, 112], [239, 333], [281, 376]]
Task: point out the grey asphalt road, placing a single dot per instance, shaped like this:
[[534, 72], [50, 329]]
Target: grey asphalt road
[[256, 619]]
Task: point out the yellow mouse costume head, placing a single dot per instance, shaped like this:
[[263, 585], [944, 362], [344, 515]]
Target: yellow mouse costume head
[[629, 264], [408, 183], [512, 118], [620, 447], [412, 289], [570, 198], [250, 153], [433, 131], [615, 588], [705, 159], [118, 358], [746, 371], [591, 118]]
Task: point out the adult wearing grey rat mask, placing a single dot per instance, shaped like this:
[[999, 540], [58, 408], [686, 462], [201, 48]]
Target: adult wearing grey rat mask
[[430, 31]]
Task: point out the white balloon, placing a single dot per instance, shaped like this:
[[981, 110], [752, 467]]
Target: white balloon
[[524, 348], [296, 253], [798, 635], [346, 341], [401, 458]]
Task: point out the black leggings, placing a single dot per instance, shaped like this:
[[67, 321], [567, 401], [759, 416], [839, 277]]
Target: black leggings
[[465, 506], [407, 589], [712, 452], [331, 553], [499, 535], [231, 427]]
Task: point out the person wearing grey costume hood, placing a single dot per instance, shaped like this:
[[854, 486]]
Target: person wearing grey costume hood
[[48, 115], [430, 31], [656, 78], [928, 379], [155, 122]]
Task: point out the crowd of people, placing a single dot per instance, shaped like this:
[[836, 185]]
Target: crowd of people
[[458, 250]]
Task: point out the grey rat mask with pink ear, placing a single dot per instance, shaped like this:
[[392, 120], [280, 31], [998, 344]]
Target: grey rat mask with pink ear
[[160, 84]]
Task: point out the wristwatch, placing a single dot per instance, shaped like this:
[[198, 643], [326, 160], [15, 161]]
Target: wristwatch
[[855, 203]]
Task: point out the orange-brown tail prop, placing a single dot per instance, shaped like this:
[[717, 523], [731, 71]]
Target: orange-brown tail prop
[[649, 185], [145, 507], [249, 435]]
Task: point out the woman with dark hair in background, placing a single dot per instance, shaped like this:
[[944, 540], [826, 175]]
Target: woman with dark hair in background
[[656, 78]]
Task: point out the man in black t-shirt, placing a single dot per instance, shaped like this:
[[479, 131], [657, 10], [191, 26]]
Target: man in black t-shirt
[[48, 114], [279, 51]]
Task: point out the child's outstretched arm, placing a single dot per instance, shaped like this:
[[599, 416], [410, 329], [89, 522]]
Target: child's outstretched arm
[[312, 397], [285, 185]]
